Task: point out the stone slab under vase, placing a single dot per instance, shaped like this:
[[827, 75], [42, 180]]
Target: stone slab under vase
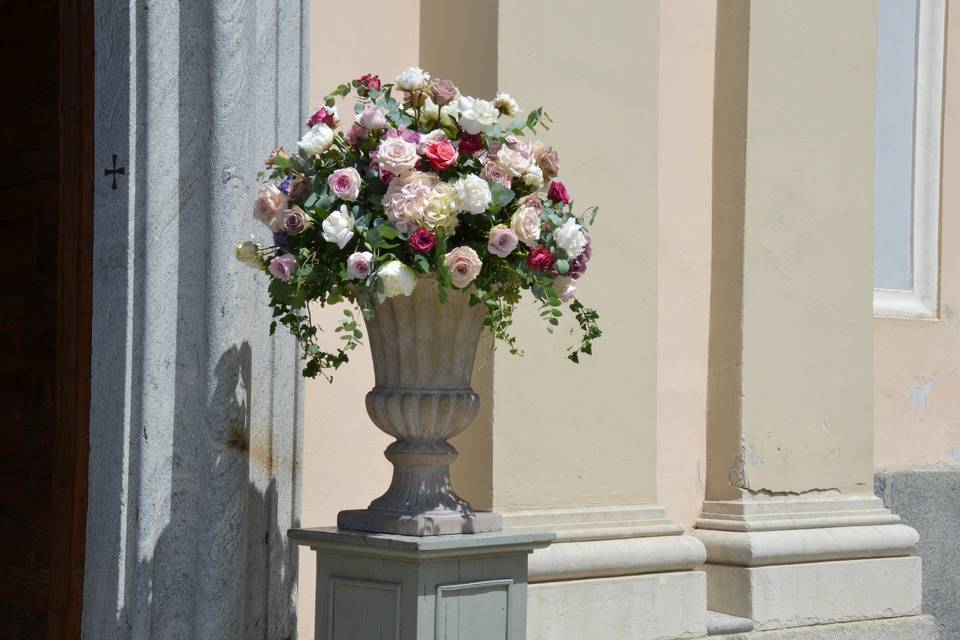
[[420, 525]]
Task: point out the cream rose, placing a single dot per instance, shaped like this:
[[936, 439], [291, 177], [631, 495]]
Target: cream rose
[[268, 205], [338, 227], [533, 176], [440, 211], [249, 253], [464, 265], [476, 115], [506, 105], [412, 79], [526, 224], [473, 194], [513, 162], [397, 279], [316, 140], [396, 155], [570, 237]]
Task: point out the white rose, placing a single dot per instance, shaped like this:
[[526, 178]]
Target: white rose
[[317, 140], [397, 279], [506, 105], [396, 155], [338, 227], [526, 224], [473, 194], [412, 79], [512, 161], [430, 112], [570, 238], [533, 176], [476, 115]]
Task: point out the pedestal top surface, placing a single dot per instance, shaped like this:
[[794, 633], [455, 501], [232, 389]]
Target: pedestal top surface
[[496, 541]]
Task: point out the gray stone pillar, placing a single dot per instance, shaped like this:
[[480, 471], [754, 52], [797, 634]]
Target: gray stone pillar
[[196, 412]]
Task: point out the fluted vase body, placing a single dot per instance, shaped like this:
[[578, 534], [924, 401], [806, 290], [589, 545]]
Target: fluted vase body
[[423, 352]]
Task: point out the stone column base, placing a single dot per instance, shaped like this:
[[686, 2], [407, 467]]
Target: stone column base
[[911, 628], [792, 562], [618, 572], [372, 586]]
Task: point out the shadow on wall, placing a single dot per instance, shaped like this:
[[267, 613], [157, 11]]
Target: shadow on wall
[[221, 567]]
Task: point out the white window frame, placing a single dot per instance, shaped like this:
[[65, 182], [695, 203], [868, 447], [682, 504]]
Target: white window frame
[[922, 299]]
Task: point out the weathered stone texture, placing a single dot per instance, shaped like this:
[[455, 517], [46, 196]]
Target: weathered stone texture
[[929, 501], [195, 418]]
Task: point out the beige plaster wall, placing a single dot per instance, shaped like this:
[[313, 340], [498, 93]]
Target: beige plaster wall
[[343, 465], [798, 406], [568, 435], [917, 362], [687, 37]]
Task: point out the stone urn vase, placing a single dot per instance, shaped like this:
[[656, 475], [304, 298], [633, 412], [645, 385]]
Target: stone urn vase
[[423, 352]]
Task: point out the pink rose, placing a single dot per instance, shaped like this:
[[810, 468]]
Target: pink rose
[[372, 117], [502, 241], [270, 201], [493, 172], [359, 265], [441, 155], [464, 265], [540, 259], [282, 266], [565, 288], [533, 201], [345, 184], [558, 192], [397, 155], [422, 240], [443, 92]]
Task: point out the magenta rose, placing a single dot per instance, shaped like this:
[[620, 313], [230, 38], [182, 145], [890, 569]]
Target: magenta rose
[[282, 266], [422, 240], [441, 155], [324, 115], [367, 83], [471, 143], [540, 259], [558, 192]]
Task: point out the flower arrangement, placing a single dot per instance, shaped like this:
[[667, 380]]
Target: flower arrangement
[[424, 182]]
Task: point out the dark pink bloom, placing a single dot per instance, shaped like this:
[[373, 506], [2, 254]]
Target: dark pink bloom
[[471, 143], [441, 155], [540, 259], [323, 115], [558, 192], [579, 264], [422, 240], [368, 82]]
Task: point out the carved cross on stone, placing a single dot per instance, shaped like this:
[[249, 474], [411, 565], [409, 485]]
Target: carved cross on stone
[[115, 171]]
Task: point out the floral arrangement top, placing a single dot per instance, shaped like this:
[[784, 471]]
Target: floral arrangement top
[[425, 181]]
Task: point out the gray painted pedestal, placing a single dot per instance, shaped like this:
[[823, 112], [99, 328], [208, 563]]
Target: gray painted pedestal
[[375, 586]]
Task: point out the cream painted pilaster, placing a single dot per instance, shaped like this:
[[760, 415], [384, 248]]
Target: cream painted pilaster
[[794, 534], [572, 448]]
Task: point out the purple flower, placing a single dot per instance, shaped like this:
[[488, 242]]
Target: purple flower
[[282, 266], [285, 186], [281, 239], [578, 266]]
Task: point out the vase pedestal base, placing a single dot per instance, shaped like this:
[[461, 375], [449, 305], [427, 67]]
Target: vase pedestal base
[[372, 586], [419, 525]]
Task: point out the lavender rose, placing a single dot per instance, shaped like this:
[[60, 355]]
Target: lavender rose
[[295, 221], [359, 265], [502, 241], [282, 266], [443, 92]]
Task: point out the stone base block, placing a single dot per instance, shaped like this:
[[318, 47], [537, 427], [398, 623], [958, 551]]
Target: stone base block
[[376, 586], [652, 606], [910, 628], [815, 593], [419, 525]]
